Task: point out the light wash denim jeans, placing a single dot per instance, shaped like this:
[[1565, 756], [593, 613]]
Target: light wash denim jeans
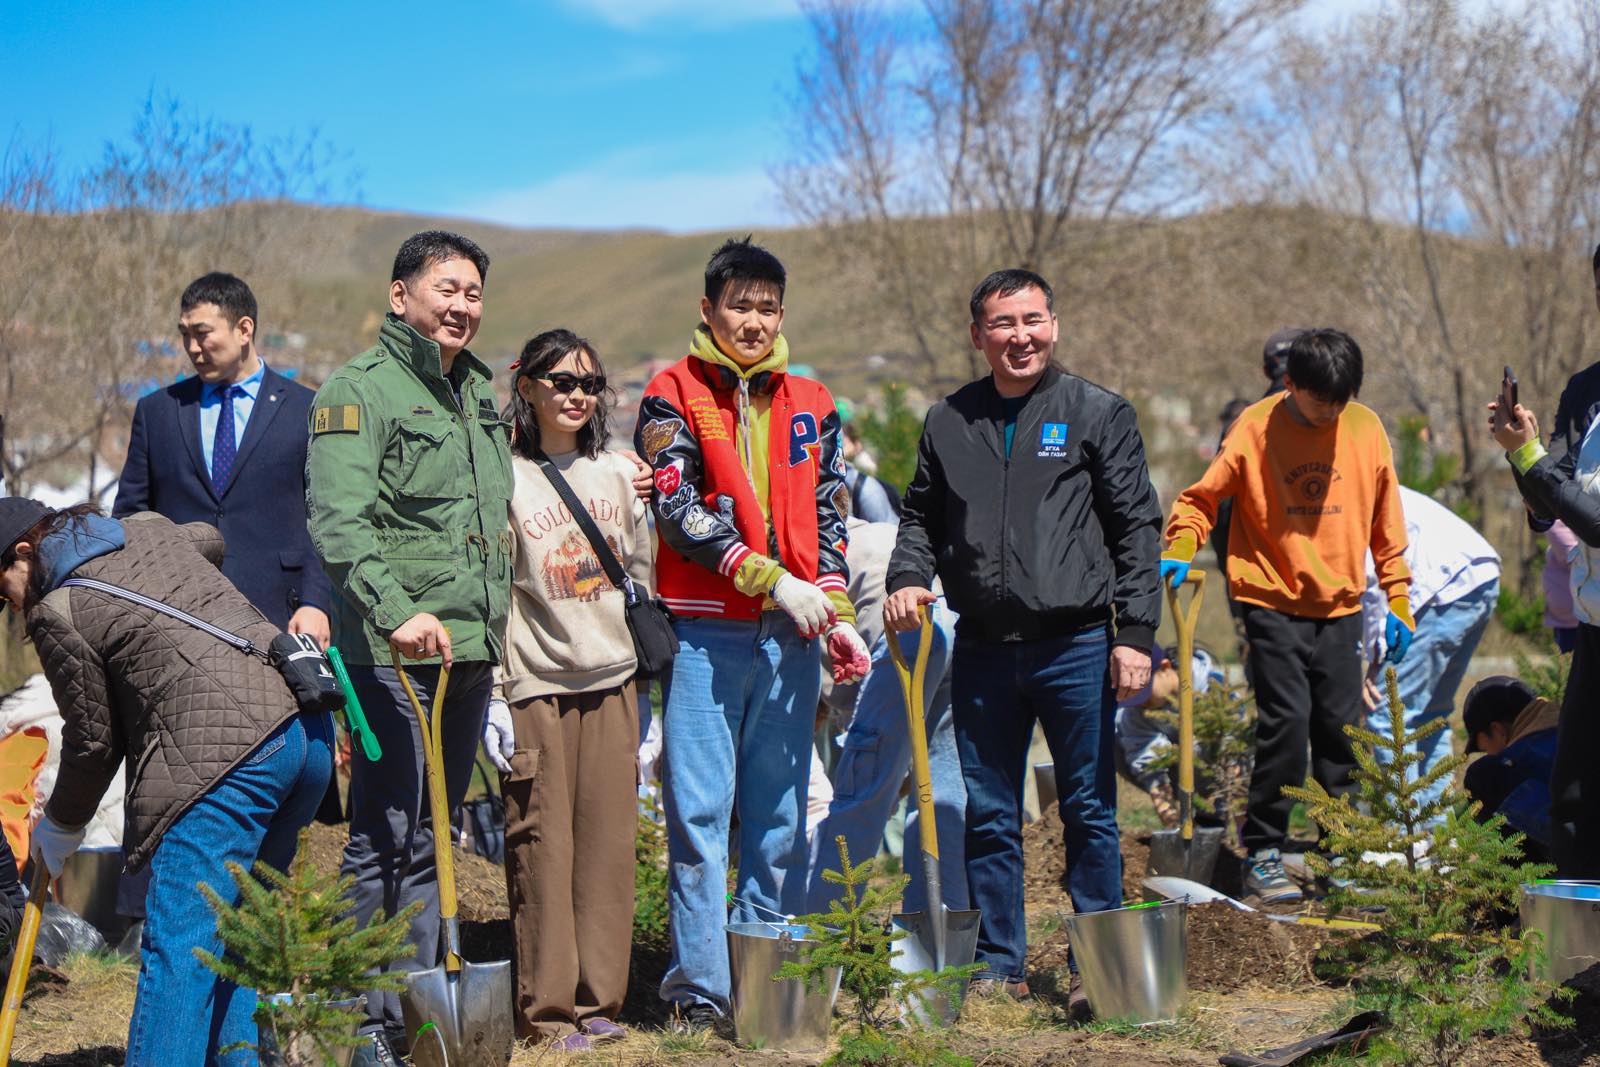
[[739, 706], [1431, 673], [873, 763], [183, 1012]]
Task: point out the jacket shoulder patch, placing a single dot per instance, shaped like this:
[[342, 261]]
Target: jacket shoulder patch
[[340, 418]]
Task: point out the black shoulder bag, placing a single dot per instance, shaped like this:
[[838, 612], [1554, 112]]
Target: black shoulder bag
[[297, 657], [649, 621]]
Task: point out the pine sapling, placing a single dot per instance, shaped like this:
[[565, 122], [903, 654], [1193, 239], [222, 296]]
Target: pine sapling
[[1224, 749], [854, 936], [291, 935], [1442, 885]]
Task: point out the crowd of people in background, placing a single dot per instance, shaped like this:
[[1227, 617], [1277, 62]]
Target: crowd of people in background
[[400, 514]]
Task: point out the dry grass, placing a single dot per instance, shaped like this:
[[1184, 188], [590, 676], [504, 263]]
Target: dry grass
[[91, 1010]]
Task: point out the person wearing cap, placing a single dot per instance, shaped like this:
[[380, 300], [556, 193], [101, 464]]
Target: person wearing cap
[[1455, 583], [1314, 487], [1516, 732], [221, 765]]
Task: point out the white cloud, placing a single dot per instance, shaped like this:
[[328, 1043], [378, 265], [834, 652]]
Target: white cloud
[[612, 195], [635, 14]]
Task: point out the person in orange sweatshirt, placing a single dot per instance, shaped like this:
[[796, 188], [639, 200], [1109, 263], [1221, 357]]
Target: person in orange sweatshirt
[[1314, 488]]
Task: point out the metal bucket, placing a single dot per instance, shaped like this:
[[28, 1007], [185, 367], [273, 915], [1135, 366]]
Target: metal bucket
[[1132, 960], [1568, 915], [776, 1014], [1044, 782], [88, 886], [304, 1051]]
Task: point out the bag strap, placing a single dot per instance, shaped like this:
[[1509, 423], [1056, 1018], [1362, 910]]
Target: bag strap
[[242, 644], [580, 515]]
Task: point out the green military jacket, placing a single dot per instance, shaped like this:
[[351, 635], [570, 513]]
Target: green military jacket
[[407, 495]]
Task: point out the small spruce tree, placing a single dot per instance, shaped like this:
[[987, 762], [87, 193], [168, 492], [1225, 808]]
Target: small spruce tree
[[291, 934], [853, 936], [1225, 747], [1445, 962]]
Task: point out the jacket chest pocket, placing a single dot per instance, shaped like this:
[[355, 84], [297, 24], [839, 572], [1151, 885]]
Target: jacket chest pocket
[[494, 457], [426, 468]]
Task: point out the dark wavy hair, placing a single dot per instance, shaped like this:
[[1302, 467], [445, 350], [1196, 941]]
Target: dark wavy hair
[[539, 355]]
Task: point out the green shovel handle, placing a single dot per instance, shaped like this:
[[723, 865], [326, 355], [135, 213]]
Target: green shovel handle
[[355, 719]]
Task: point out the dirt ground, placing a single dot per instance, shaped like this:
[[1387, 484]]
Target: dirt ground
[[1252, 985]]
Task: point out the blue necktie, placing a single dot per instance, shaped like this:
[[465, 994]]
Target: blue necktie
[[223, 447]]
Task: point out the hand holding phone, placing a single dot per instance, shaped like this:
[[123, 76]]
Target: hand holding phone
[[1508, 397]]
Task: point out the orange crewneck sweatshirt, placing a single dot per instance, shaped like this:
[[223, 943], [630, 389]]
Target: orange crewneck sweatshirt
[[1307, 504]]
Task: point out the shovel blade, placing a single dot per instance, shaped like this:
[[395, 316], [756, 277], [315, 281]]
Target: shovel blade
[[459, 1020], [935, 1007], [1196, 859]]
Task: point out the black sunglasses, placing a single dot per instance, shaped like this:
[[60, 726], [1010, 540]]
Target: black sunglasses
[[562, 382]]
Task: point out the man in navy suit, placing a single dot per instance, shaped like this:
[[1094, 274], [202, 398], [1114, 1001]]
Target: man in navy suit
[[228, 447]]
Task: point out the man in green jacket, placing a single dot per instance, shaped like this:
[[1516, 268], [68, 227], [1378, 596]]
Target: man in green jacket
[[409, 478]]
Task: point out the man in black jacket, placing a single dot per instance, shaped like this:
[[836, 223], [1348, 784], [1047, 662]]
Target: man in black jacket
[[1032, 502]]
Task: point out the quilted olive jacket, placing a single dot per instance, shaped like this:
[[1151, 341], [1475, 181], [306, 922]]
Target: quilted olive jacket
[[181, 706]]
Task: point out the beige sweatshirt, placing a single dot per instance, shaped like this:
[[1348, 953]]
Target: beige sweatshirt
[[567, 631]]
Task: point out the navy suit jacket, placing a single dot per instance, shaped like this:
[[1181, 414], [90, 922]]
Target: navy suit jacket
[[261, 511]]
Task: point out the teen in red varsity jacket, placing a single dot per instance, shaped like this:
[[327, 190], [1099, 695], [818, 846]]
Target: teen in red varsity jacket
[[750, 503]]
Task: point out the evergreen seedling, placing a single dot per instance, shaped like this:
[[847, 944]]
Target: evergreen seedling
[[290, 934], [1444, 963], [853, 936], [1224, 750]]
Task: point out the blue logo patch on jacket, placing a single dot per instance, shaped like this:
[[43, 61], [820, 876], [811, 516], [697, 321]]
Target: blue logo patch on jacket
[[1053, 440], [804, 438]]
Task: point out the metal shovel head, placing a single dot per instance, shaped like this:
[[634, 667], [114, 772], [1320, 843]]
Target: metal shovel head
[[461, 1020], [1195, 859], [917, 953]]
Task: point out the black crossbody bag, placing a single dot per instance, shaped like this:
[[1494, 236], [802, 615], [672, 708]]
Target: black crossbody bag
[[297, 657], [649, 621]]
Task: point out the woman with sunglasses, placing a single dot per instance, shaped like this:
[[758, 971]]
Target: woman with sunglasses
[[563, 727]]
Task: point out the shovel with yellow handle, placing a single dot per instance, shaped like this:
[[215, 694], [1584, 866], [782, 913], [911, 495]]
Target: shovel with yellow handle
[[1185, 852], [22, 960], [939, 937], [457, 1014]]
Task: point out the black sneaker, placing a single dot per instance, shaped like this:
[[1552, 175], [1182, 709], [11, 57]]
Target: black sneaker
[[1264, 878], [698, 1017]]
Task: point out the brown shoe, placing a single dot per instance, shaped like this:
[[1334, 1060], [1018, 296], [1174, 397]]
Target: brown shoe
[[1078, 1010], [994, 987]]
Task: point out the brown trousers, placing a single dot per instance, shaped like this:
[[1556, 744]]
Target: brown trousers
[[571, 816]]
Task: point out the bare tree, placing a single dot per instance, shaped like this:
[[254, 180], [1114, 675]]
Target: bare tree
[[936, 145], [91, 263]]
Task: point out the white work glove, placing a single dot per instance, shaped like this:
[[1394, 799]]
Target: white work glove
[[803, 602], [499, 740], [847, 654], [51, 845]]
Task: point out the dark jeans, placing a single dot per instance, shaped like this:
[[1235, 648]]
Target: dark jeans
[[999, 690], [1575, 781], [1306, 674], [390, 854]]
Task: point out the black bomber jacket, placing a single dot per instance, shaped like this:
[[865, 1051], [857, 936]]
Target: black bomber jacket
[[1062, 534]]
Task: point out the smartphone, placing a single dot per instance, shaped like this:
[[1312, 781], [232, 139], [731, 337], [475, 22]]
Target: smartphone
[[1508, 396]]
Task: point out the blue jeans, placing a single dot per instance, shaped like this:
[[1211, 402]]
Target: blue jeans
[[1000, 690], [1431, 673], [876, 756], [739, 704], [183, 1012]]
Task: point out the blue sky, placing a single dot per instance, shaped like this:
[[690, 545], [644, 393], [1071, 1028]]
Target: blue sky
[[594, 113], [542, 112]]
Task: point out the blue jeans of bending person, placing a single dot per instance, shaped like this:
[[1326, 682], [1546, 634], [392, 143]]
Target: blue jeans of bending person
[[183, 1013], [1000, 690], [1431, 673], [873, 764], [739, 701]]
